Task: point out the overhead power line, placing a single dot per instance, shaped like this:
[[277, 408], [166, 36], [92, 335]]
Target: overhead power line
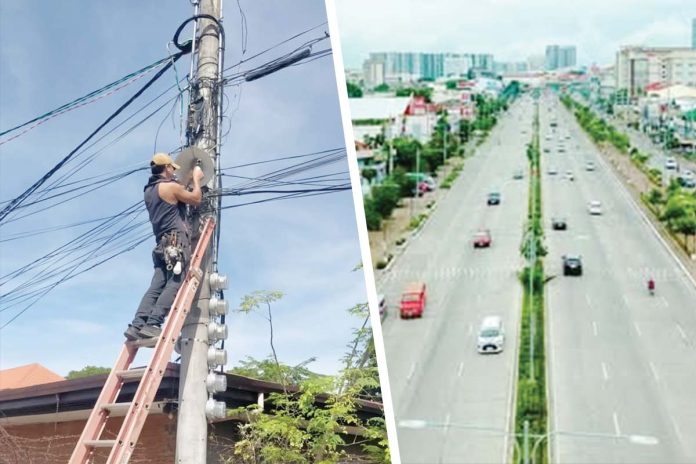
[[22, 197], [85, 99]]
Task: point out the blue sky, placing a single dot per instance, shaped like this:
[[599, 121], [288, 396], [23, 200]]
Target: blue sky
[[511, 29], [307, 248]]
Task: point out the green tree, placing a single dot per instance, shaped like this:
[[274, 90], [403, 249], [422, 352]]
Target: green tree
[[383, 87], [354, 90], [307, 423], [425, 92], [406, 148], [267, 369], [87, 371], [372, 216]]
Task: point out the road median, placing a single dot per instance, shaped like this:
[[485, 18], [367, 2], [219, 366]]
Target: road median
[[531, 395]]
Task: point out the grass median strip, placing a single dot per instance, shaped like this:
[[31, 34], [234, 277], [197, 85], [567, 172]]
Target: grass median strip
[[530, 408]]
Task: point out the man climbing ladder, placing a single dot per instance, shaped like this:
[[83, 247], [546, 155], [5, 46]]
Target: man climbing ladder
[[165, 200]]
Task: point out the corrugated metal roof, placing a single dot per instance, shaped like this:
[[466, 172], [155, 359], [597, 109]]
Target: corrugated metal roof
[[377, 107]]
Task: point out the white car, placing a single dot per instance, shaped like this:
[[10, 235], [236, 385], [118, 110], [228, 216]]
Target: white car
[[552, 171], [569, 175], [595, 207], [491, 336], [589, 166], [670, 163]]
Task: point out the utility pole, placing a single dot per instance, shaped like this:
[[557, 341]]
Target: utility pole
[[444, 151], [203, 133]]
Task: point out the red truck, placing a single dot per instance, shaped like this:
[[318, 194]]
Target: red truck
[[413, 300]]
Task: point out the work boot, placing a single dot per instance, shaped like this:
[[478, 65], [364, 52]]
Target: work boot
[[150, 331], [132, 333]]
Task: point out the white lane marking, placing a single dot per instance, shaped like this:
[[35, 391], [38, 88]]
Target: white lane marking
[[682, 333], [616, 424], [605, 373], [625, 300], [594, 328], [677, 430], [471, 329], [589, 302], [647, 222], [635, 324], [447, 422], [654, 372], [461, 369], [411, 372], [664, 301]]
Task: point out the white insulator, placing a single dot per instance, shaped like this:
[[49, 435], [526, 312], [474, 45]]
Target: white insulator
[[217, 281], [216, 332], [216, 357], [215, 409], [217, 306], [216, 383]]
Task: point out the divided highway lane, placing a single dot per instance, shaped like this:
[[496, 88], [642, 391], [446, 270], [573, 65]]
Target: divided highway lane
[[620, 361], [435, 372]]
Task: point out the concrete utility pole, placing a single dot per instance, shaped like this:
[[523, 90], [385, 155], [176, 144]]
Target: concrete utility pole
[[203, 132]]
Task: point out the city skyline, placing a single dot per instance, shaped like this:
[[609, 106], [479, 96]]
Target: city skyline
[[523, 30]]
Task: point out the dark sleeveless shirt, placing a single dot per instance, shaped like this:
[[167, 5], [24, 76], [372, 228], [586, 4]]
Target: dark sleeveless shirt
[[164, 216]]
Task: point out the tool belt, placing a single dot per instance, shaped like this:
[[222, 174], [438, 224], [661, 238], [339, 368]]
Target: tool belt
[[170, 249]]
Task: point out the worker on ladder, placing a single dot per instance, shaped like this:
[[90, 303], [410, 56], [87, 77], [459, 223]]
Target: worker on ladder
[[165, 200]]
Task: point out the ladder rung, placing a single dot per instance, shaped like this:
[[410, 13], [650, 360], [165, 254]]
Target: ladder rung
[[144, 343], [115, 408], [100, 443], [129, 374]]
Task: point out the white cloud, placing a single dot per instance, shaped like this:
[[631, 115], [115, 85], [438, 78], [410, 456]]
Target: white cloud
[[510, 29]]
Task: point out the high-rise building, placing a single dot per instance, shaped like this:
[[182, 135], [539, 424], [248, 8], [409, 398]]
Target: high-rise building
[[456, 65], [405, 67], [638, 67], [558, 57]]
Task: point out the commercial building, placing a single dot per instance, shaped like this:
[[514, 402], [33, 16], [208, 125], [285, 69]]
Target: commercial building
[[693, 33], [639, 67], [506, 68], [404, 67], [559, 57]]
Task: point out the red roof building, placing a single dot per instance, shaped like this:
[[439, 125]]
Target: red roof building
[[27, 376]]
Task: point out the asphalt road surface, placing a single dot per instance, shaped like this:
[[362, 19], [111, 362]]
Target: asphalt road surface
[[621, 363], [435, 372]]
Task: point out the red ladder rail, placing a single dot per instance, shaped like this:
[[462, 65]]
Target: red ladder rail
[[122, 448]]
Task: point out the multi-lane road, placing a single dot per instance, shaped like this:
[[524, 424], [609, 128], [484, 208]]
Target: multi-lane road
[[435, 371], [621, 363]]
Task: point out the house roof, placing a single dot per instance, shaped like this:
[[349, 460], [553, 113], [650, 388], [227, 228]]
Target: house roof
[[673, 92], [377, 107], [26, 376], [69, 396]]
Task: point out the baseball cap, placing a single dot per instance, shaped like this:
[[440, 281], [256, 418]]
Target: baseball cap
[[163, 159]]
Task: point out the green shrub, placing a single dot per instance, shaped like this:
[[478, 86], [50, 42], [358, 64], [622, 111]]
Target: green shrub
[[372, 216]]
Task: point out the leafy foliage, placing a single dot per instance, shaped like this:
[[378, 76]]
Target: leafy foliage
[[308, 422], [87, 371], [354, 90]]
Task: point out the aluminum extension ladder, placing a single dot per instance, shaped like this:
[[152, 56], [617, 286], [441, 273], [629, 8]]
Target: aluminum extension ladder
[[151, 376]]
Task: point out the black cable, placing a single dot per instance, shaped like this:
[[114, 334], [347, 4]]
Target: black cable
[[20, 199], [284, 158]]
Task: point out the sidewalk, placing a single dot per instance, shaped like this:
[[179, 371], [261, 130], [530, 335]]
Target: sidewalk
[[383, 243]]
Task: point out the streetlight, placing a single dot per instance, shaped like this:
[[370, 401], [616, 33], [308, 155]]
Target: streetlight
[[419, 424], [644, 440]]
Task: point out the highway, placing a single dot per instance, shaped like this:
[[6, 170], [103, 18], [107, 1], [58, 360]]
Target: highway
[[621, 363], [435, 372]]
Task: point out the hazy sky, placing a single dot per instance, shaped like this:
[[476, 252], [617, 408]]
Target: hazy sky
[[511, 29], [56, 51]]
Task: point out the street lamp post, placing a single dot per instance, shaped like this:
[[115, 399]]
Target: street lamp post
[[523, 452]]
